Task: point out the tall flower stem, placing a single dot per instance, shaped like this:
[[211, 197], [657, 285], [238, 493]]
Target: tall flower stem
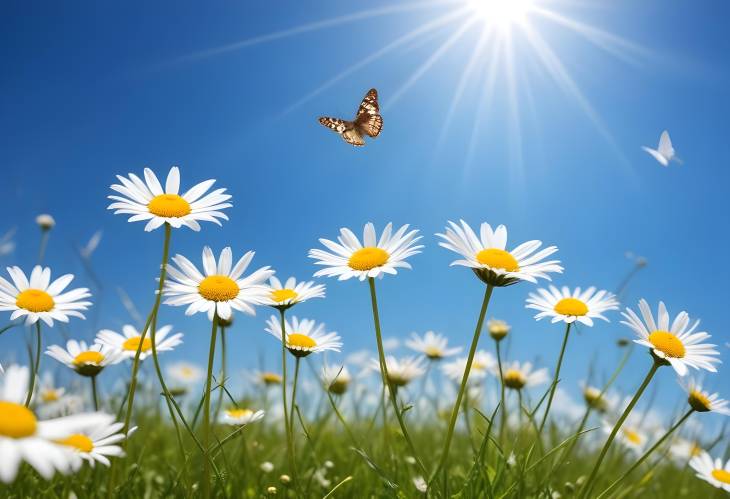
[[34, 365], [94, 393], [294, 396], [43, 245], [206, 408], [464, 379], [647, 454], [222, 381], [287, 428], [386, 379], [136, 362], [590, 482], [502, 407], [556, 379]]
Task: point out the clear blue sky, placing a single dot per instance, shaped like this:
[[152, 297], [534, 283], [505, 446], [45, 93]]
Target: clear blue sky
[[93, 89]]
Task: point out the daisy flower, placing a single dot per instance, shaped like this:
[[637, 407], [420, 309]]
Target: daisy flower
[[336, 379], [518, 376], [595, 399], [185, 372], [128, 342], [266, 378], [498, 329], [484, 364], [39, 298], [373, 258], [683, 450], [432, 345], [84, 359], [400, 371], [24, 438], [240, 417], [96, 442], [712, 471], [564, 305], [678, 344], [491, 262], [148, 201], [702, 401], [304, 336], [630, 436], [221, 289], [283, 296]]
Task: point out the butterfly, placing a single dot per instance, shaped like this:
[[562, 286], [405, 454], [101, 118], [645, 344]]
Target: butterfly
[[664, 153], [367, 121]]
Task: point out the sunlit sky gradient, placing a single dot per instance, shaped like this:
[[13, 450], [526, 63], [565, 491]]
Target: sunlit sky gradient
[[89, 91]]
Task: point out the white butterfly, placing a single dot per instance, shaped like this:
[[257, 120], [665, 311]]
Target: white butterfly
[[664, 153]]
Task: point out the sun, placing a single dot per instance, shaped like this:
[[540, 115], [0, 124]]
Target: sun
[[502, 14]]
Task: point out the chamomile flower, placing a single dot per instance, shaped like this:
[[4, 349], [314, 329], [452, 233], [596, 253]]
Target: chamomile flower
[[491, 262], [595, 399], [24, 438], [702, 401], [682, 450], [240, 417], [38, 298], [291, 292], [185, 373], [400, 371], [630, 436], [517, 376], [678, 343], [220, 289], [96, 442], [373, 258], [432, 345], [484, 364], [265, 378], [149, 201], [498, 329], [570, 306], [304, 336], [336, 379], [129, 340], [712, 471], [86, 360]]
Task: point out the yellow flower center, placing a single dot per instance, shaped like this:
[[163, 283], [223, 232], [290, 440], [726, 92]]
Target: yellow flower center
[[498, 259], [433, 352], [632, 436], [239, 413], [271, 378], [667, 343], [721, 475], [169, 206], [89, 357], [218, 288], [132, 344], [514, 379], [699, 401], [282, 295], [79, 442], [571, 306], [16, 421], [479, 366], [49, 395], [35, 300], [368, 258], [300, 340]]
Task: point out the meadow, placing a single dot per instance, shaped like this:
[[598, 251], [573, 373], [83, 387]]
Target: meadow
[[447, 421]]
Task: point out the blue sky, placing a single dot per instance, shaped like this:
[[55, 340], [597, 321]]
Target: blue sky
[[91, 90]]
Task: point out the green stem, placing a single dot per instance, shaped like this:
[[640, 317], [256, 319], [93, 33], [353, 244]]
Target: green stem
[[294, 395], [136, 362], [647, 453], [206, 408], [34, 366], [386, 378], [503, 408], [223, 374], [43, 245], [94, 393], [287, 429], [589, 483], [556, 379], [464, 379]]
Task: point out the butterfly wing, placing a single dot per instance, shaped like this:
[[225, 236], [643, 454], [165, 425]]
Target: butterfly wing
[[656, 155], [368, 119], [347, 130], [665, 146]]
